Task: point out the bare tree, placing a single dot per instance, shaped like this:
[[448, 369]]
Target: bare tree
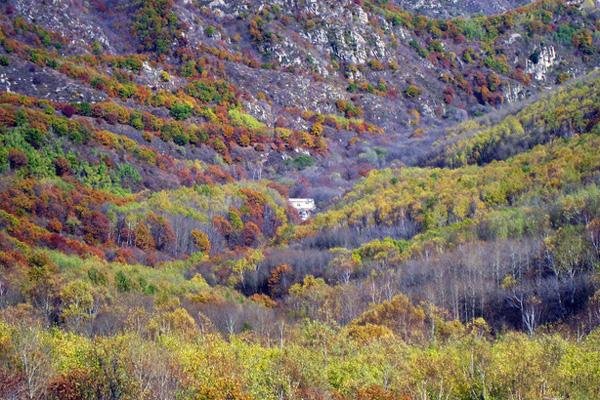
[[34, 356], [154, 371]]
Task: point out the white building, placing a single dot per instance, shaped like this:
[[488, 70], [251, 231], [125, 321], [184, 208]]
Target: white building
[[304, 207]]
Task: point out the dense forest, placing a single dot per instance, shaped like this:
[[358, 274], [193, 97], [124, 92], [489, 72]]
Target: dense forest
[[148, 248]]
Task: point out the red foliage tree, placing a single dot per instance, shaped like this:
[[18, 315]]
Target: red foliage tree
[[17, 159], [251, 234]]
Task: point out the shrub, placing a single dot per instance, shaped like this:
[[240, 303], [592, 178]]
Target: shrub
[[562, 77], [412, 91], [164, 76], [583, 40], [420, 50], [498, 64], [33, 136], [156, 25], [60, 127], [136, 120], [240, 119], [317, 129], [128, 175], [201, 240], [376, 65], [97, 48], [564, 33], [436, 45], [181, 111], [127, 90], [210, 91], [473, 29], [349, 109], [68, 110], [180, 137], [79, 134], [251, 234], [123, 282], [97, 277], [210, 31], [352, 87], [84, 109], [469, 55], [187, 69], [62, 166], [303, 161], [17, 158], [170, 131]]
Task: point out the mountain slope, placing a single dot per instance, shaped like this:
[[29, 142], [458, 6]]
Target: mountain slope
[[329, 72], [149, 249], [453, 8]]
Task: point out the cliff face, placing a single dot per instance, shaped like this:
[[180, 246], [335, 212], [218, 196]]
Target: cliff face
[[348, 50], [371, 54], [455, 8]]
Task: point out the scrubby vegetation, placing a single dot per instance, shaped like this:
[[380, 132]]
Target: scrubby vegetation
[[571, 110]]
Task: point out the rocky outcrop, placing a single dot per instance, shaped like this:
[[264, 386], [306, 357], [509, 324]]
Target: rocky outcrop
[[24, 77], [452, 8], [80, 21], [308, 54], [542, 61]]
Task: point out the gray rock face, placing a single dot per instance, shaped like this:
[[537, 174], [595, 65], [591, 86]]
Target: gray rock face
[[25, 77], [79, 20], [453, 8], [545, 61], [312, 53]]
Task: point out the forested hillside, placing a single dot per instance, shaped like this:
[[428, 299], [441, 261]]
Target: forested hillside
[[149, 250]]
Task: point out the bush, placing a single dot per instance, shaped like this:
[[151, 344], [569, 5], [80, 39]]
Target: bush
[[240, 119], [181, 111], [303, 161], [201, 240], [68, 110], [376, 65], [170, 131], [84, 109], [128, 175], [123, 282], [210, 31], [33, 136], [352, 87], [420, 50], [97, 48], [473, 29], [412, 91], [564, 34], [62, 166], [156, 25], [583, 40], [469, 55], [436, 45], [127, 90], [79, 134], [136, 120], [498, 64], [349, 109], [164, 76], [210, 92], [180, 137], [17, 158], [97, 277], [4, 61], [187, 69]]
